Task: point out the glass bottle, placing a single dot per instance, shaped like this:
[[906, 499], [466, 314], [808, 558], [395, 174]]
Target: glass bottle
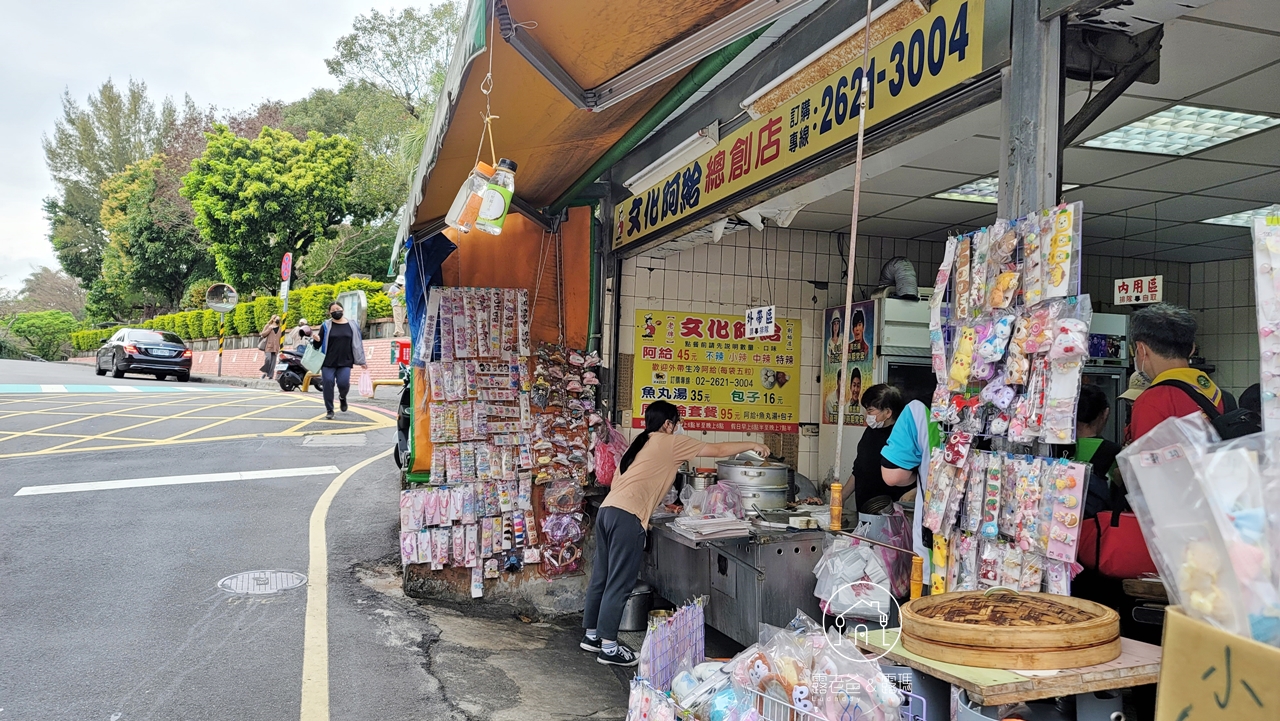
[[466, 204], [497, 198]]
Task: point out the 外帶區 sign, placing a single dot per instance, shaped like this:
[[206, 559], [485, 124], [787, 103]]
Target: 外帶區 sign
[[932, 54], [759, 321], [1143, 289], [720, 379]]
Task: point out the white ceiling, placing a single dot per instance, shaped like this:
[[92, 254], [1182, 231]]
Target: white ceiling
[[1225, 54]]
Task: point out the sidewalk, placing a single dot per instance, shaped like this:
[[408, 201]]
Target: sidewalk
[[492, 662]]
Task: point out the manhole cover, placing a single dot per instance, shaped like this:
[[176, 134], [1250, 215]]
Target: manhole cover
[[258, 583], [352, 439]]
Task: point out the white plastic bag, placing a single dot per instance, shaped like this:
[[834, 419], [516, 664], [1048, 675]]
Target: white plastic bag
[[365, 386]]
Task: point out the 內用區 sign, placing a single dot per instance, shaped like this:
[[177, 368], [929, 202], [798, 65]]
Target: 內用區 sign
[[1144, 289], [720, 379], [931, 55]]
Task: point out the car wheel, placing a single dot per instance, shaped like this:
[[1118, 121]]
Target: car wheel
[[97, 367], [161, 376], [116, 372], [184, 377]]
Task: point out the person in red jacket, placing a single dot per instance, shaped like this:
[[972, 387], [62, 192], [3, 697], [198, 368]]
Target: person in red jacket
[[1162, 337]]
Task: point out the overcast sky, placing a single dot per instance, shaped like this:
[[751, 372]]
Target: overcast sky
[[230, 53]]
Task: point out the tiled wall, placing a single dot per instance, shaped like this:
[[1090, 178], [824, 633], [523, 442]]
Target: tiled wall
[[1222, 295], [1100, 272], [775, 266], [755, 268]]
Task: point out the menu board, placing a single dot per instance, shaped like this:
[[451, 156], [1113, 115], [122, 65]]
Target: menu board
[[720, 379]]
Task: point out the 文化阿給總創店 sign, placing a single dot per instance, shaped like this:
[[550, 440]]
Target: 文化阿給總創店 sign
[[720, 379], [932, 54]]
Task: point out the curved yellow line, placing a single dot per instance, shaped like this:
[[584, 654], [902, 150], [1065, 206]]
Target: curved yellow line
[[315, 634]]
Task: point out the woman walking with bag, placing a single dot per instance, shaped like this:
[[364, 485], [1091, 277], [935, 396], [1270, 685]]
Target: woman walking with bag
[[270, 345], [342, 346]]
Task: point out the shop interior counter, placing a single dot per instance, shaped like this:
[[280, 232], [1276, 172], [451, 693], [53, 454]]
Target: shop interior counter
[[762, 578]]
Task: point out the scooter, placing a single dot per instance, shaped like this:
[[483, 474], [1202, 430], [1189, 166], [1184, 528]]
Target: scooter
[[291, 377]]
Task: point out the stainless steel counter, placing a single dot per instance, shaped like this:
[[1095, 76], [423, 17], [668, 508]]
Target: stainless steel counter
[[761, 579]]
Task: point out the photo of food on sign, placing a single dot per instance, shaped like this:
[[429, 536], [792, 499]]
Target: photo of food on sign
[[720, 379], [857, 375]]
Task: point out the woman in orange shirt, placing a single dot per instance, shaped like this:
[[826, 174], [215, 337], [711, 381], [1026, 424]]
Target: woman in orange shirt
[[647, 469]]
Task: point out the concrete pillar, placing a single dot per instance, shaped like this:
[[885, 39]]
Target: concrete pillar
[[1031, 102]]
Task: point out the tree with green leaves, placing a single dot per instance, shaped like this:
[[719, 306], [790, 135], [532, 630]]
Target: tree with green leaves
[[254, 200], [373, 119], [46, 332], [154, 250], [405, 53], [90, 143]]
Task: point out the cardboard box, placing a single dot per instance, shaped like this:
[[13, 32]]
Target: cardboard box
[[1211, 675]]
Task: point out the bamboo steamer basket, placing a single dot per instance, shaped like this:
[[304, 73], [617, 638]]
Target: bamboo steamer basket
[[1002, 628]]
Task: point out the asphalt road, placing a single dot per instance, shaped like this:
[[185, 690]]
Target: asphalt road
[[109, 603]]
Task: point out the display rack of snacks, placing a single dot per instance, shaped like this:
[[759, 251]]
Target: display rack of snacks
[[511, 438], [1009, 337]]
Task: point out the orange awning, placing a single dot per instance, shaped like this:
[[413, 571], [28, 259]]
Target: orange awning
[[553, 141]]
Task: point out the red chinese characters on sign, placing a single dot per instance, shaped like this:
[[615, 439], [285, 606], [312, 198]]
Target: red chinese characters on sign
[[740, 158], [1144, 289], [691, 328], [715, 172], [768, 144]]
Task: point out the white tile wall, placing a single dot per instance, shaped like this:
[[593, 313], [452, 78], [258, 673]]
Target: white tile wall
[[1222, 294], [754, 268], [774, 266]]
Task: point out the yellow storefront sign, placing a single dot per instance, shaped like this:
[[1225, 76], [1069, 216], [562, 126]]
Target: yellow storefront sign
[[931, 55], [718, 378]]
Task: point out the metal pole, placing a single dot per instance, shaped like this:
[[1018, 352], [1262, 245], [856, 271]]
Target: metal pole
[[853, 247], [222, 333]]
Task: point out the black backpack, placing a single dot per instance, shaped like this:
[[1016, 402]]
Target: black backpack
[[1234, 423]]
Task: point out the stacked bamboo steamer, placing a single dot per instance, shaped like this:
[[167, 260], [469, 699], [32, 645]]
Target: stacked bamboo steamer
[[1001, 628]]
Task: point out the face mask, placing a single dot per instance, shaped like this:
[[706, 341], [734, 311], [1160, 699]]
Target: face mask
[[678, 430], [336, 314], [873, 422]]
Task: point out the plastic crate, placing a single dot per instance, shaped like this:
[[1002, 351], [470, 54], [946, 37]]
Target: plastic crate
[[914, 708]]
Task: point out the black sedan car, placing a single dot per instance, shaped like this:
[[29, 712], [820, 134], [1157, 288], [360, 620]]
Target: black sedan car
[[153, 352]]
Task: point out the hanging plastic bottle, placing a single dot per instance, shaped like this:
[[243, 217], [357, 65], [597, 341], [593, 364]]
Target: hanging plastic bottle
[[497, 198], [466, 205]]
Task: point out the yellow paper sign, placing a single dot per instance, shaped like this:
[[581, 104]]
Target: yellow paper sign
[[931, 55], [718, 378]]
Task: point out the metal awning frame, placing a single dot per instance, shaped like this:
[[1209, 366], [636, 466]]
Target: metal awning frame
[[650, 71]]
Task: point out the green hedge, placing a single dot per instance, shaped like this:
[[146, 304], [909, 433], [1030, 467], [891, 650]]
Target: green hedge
[[379, 305], [250, 316], [87, 340], [263, 309], [209, 324]]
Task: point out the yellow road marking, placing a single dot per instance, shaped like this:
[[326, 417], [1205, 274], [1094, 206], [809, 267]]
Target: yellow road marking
[[80, 443], [108, 434], [315, 634], [83, 418]]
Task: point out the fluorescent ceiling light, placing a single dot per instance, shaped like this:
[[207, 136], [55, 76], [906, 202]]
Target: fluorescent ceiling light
[[690, 149], [1182, 130], [982, 190], [1245, 218]]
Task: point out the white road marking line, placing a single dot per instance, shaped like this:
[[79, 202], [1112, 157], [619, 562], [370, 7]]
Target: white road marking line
[[125, 389], [176, 480], [50, 388]]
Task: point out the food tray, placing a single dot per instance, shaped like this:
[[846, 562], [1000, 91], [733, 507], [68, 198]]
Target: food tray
[[1002, 628]]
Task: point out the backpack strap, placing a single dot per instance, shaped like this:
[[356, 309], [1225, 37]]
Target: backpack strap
[[1209, 409]]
